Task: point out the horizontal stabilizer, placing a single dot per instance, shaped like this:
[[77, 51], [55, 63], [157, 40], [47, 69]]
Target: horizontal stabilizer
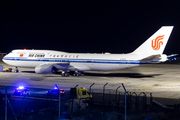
[[172, 55], [152, 57]]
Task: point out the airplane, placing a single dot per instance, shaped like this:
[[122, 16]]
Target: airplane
[[50, 61]]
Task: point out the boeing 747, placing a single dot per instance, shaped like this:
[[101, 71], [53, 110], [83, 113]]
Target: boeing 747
[[49, 61]]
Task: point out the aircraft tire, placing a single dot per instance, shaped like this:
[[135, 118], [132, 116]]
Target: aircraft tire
[[66, 75]]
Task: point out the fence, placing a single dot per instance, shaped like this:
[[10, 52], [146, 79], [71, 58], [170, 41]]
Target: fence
[[107, 101]]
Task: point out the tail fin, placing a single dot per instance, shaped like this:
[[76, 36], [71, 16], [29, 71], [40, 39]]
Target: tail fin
[[156, 43]]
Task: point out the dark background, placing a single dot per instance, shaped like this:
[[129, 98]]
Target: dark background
[[86, 26]]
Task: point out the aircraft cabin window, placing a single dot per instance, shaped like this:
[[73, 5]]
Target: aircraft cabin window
[[57, 55], [54, 55], [77, 56], [65, 56], [61, 55], [69, 56]]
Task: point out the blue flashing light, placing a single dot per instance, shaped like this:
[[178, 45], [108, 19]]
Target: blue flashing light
[[20, 87], [55, 88]]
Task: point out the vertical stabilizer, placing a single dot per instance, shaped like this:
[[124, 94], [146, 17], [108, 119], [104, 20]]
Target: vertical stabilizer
[[156, 43]]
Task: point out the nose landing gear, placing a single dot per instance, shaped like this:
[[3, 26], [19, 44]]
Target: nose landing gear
[[16, 69]]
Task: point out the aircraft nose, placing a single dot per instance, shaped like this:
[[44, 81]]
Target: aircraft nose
[[4, 58]]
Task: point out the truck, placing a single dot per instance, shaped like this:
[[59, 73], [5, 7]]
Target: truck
[[79, 99], [80, 93], [7, 69]]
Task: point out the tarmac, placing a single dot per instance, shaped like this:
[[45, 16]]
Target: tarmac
[[162, 80]]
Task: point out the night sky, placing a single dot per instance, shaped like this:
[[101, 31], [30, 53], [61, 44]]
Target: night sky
[[86, 26]]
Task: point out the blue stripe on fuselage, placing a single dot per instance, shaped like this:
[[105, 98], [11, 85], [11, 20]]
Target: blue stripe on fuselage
[[77, 60]]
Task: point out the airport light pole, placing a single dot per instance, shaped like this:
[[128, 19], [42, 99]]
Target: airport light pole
[[6, 103], [91, 99], [59, 101], [116, 92], [22, 107], [103, 99], [124, 101], [90, 87]]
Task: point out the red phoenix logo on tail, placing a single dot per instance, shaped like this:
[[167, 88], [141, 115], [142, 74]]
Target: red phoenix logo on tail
[[156, 44]]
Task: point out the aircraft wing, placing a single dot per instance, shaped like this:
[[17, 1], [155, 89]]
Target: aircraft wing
[[71, 66], [48, 68], [63, 65], [78, 67]]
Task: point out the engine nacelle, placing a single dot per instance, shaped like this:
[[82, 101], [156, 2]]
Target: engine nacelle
[[44, 69]]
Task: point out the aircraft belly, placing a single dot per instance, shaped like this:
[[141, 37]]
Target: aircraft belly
[[15, 63]]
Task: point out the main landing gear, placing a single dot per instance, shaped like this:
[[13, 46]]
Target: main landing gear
[[64, 73], [78, 73]]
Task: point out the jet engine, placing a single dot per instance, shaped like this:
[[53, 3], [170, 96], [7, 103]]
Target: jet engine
[[44, 69]]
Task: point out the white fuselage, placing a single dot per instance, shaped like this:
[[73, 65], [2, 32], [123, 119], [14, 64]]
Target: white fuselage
[[94, 62]]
